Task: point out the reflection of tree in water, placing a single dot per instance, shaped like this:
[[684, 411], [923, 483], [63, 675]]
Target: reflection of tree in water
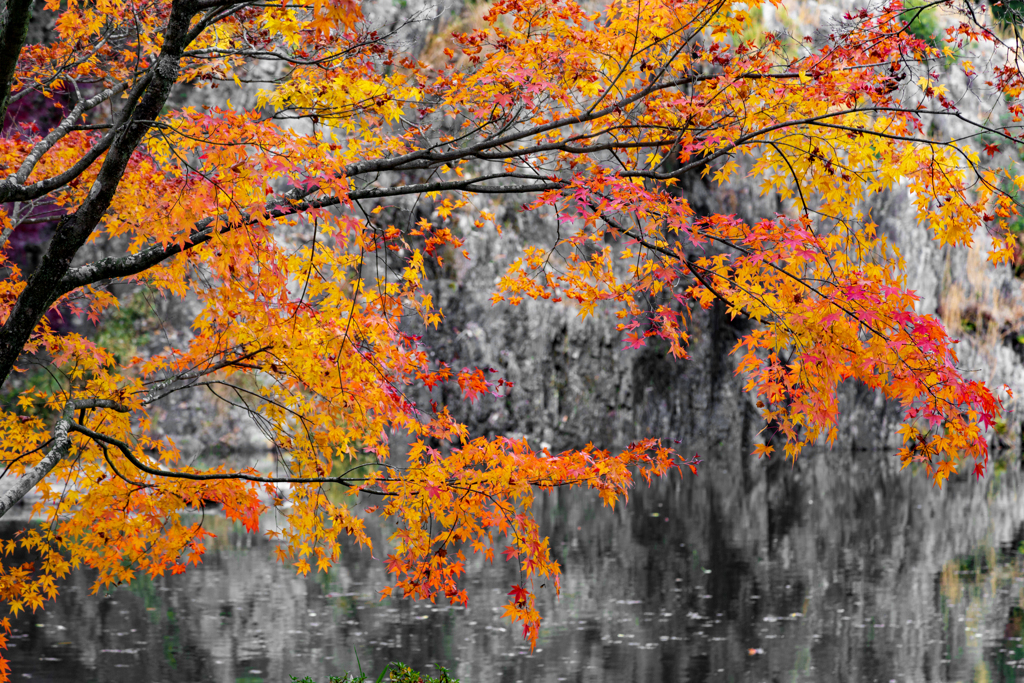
[[983, 590], [838, 568]]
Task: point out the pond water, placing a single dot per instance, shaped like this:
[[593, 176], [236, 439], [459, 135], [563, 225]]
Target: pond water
[[837, 568]]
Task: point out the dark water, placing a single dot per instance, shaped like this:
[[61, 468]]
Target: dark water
[[839, 568]]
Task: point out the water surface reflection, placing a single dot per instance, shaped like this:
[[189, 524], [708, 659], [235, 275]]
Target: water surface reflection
[[839, 568]]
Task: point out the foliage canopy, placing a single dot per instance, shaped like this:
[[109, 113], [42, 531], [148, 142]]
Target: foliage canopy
[[273, 222]]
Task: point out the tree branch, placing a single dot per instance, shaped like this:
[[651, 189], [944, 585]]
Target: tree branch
[[28, 481], [47, 143], [126, 451]]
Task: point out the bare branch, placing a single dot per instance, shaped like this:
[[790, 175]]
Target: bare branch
[[126, 451], [62, 129], [28, 481]]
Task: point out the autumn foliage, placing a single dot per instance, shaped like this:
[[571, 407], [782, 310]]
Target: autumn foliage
[[280, 224]]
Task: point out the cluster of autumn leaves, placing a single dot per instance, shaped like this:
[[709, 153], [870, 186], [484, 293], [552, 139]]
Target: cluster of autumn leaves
[[293, 226]]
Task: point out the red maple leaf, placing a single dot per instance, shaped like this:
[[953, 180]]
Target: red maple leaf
[[519, 594]]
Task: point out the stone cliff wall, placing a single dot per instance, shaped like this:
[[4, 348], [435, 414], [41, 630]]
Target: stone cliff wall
[[575, 383]]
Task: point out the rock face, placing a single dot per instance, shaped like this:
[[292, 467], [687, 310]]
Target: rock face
[[574, 383]]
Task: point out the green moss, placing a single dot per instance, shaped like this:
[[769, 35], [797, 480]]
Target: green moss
[[922, 23], [753, 29], [126, 328], [1008, 13], [1000, 427], [399, 673]]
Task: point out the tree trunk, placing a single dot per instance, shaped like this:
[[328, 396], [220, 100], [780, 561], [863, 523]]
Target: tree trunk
[[143, 106], [15, 19]]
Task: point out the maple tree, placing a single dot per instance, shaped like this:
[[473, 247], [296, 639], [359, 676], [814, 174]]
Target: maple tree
[[275, 219]]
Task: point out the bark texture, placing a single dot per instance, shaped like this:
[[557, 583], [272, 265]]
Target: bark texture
[[14, 22]]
